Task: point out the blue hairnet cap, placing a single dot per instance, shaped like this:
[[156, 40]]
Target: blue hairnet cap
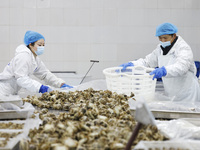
[[166, 28], [32, 36]]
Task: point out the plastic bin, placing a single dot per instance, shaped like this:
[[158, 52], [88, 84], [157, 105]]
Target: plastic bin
[[197, 64], [134, 79]]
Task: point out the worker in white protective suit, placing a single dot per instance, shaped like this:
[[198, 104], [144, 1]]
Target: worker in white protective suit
[[16, 74], [174, 59]]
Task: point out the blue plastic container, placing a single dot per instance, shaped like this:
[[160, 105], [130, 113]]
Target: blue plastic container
[[197, 64]]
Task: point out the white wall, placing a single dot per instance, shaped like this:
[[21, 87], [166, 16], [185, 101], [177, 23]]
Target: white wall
[[111, 31]]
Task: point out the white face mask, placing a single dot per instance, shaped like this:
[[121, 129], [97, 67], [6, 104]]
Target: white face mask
[[165, 44], [40, 50]]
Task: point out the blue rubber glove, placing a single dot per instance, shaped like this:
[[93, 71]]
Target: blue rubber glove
[[44, 89], [159, 72], [125, 65], [66, 86]]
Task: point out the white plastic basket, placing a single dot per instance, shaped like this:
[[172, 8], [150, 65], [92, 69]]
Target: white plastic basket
[[135, 79]]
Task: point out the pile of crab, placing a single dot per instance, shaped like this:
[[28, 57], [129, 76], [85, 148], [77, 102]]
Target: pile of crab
[[90, 120]]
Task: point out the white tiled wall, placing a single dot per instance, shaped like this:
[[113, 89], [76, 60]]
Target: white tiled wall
[[111, 31]]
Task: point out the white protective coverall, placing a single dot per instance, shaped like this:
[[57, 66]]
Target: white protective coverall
[[180, 83], [16, 74]]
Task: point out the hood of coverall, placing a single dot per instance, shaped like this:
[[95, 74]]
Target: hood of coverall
[[21, 49]]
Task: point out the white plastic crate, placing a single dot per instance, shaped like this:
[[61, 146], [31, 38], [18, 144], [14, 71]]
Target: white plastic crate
[[135, 79]]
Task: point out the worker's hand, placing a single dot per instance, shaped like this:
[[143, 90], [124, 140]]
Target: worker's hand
[[159, 72], [44, 89], [66, 86], [125, 65]]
